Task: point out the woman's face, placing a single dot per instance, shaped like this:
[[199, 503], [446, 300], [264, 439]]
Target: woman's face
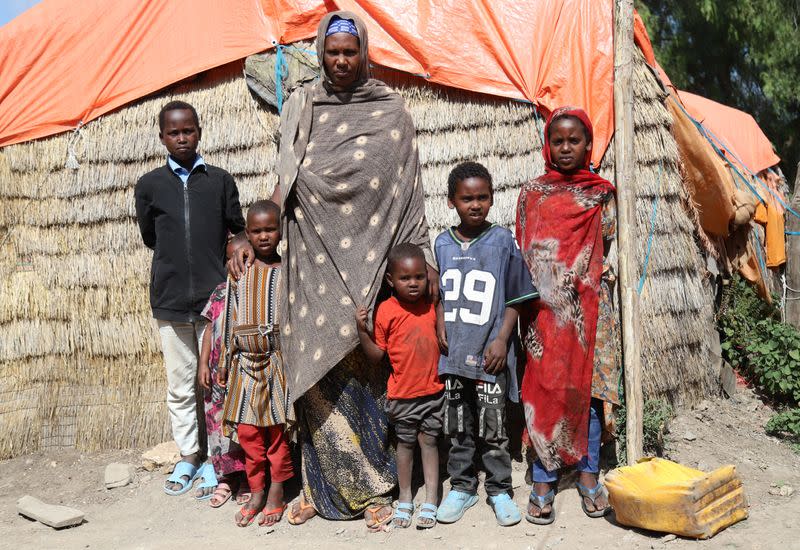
[[342, 58], [568, 144]]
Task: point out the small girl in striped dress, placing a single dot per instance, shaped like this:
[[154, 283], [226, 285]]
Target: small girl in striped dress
[[255, 404]]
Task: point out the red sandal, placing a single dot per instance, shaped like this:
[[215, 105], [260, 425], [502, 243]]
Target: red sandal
[[245, 516], [262, 522]]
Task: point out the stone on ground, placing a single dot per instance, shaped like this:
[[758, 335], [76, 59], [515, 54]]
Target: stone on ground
[[50, 514], [162, 457], [118, 475]]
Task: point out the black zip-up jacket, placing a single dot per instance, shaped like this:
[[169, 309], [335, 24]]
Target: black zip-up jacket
[[186, 226]]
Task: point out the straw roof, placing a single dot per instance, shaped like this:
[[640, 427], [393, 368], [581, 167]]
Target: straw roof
[[80, 354]]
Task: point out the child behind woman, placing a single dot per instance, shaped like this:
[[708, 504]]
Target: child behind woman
[[255, 405], [226, 456], [405, 328]]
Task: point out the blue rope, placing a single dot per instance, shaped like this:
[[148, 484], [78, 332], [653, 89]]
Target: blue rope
[[282, 70], [703, 132], [759, 255], [652, 231], [791, 232], [706, 133]]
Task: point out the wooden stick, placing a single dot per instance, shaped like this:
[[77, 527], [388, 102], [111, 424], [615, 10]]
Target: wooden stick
[[626, 215]]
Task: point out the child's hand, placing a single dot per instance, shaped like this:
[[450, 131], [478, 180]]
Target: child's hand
[[222, 376], [204, 376], [362, 314], [441, 335], [494, 357]]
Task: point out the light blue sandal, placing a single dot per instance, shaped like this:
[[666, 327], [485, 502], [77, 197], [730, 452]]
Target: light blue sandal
[[505, 510], [454, 506], [402, 515], [181, 469], [209, 477], [427, 511], [541, 502], [593, 495]]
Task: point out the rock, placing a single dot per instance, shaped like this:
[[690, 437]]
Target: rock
[[340, 531], [727, 378], [787, 491], [162, 457], [698, 416], [669, 538], [703, 406], [753, 407], [50, 514], [689, 436], [118, 475]]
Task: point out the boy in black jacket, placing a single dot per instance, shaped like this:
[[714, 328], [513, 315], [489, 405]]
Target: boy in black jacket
[[185, 211]]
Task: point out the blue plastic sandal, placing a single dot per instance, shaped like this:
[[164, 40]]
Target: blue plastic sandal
[[402, 515], [427, 511], [505, 510], [181, 469], [454, 506], [593, 494], [540, 502], [209, 477]]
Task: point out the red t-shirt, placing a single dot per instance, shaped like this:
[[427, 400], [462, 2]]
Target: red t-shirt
[[407, 332]]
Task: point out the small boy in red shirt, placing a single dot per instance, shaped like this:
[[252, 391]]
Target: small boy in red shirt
[[405, 328]]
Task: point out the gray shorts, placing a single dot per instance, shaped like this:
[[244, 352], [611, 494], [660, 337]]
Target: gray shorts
[[420, 414]]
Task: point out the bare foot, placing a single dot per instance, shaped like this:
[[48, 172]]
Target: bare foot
[[589, 480], [541, 489]]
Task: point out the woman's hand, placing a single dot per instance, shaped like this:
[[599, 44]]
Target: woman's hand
[[204, 376], [494, 357], [242, 259]]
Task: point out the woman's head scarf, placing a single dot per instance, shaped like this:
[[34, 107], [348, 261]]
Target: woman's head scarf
[[562, 112], [363, 43]]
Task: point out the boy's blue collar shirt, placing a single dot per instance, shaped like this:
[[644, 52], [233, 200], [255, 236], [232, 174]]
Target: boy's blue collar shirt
[[182, 172]]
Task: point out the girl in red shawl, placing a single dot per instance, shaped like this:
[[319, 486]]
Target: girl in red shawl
[[569, 369]]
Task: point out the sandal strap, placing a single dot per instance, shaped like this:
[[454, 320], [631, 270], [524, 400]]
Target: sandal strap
[[542, 501], [406, 506], [428, 511], [592, 493]]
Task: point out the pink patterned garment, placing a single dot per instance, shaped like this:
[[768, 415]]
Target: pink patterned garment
[[226, 455]]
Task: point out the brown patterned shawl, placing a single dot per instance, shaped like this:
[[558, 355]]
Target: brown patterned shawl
[[350, 184]]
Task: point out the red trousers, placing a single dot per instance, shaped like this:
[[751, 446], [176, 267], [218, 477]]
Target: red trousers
[[264, 445]]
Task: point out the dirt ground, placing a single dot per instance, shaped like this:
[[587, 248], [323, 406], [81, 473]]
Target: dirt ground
[[142, 516]]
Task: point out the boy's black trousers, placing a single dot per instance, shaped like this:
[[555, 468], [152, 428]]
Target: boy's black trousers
[[475, 422]]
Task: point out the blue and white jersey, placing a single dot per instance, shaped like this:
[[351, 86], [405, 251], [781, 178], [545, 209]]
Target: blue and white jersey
[[478, 279]]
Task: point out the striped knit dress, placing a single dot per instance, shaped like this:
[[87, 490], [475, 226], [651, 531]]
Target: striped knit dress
[[256, 384]]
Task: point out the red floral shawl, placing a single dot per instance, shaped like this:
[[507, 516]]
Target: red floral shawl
[[559, 233]]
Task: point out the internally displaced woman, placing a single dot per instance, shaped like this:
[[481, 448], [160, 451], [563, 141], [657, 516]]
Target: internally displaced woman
[[565, 223], [349, 183]]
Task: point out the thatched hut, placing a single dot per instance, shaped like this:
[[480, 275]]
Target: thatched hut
[[79, 354]]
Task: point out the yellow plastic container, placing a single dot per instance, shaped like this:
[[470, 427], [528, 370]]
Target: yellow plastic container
[[660, 495]]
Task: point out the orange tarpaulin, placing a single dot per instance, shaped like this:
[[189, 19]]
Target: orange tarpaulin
[[64, 62], [739, 132]]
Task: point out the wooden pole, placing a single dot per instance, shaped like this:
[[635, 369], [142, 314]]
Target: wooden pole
[[792, 273], [625, 169]]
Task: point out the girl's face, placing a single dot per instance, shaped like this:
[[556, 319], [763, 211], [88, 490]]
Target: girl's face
[[569, 144]]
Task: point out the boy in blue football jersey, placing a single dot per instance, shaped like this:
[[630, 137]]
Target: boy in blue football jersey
[[483, 281]]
